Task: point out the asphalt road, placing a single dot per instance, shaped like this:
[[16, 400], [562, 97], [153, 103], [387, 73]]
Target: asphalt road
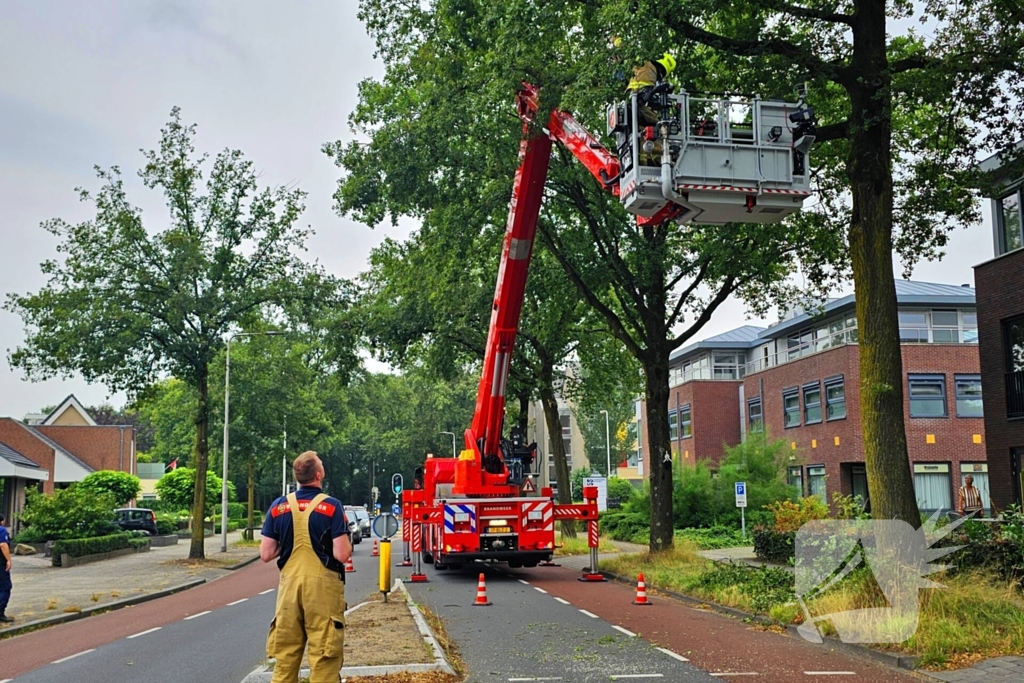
[[215, 633]]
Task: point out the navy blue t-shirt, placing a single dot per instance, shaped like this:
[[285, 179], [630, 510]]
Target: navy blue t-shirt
[[329, 516]]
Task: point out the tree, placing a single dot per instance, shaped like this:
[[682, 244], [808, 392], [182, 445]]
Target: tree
[[178, 487], [443, 121], [106, 414], [169, 406], [120, 486], [68, 513], [127, 304]]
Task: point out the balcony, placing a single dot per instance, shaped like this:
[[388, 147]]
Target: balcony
[[1015, 394], [797, 351]]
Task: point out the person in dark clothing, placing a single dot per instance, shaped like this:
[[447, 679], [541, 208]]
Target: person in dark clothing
[[307, 532], [5, 573]]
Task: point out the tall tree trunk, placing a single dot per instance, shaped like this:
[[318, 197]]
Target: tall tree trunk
[[251, 501], [523, 421], [554, 425], [890, 481], [659, 447], [197, 550]]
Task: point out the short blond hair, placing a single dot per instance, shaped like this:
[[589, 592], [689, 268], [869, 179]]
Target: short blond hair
[[305, 467]]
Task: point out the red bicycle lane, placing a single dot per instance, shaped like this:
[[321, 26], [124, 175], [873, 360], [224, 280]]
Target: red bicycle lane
[[30, 651], [721, 645]]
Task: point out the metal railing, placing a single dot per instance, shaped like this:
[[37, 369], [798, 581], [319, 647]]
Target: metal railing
[[1015, 394], [835, 340]]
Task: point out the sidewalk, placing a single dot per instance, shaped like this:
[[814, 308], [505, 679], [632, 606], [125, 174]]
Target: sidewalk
[[41, 590]]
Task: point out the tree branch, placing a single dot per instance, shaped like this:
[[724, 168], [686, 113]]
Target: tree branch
[[727, 288], [833, 131], [808, 13]]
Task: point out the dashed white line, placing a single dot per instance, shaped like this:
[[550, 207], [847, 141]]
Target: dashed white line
[[195, 616], [831, 673], [7, 680], [77, 654], [617, 677], [622, 630], [552, 678], [673, 655], [144, 632], [540, 590], [269, 590], [237, 602], [525, 583], [736, 673], [589, 614], [564, 602]]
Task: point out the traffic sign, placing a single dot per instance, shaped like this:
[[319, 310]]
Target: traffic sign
[[602, 491], [528, 486], [396, 483], [395, 509], [741, 494], [385, 526]]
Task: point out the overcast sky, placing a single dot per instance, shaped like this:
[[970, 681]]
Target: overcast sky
[[86, 83]]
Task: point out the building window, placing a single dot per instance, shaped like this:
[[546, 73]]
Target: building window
[[728, 366], [927, 395], [979, 472], [945, 327], [932, 487], [913, 327], [755, 416], [1015, 345], [970, 325], [686, 422], [673, 426], [816, 481], [968, 396], [1010, 223], [791, 408], [795, 477], [835, 398], [812, 403]]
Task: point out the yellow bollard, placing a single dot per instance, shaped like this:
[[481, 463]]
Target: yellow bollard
[[385, 567]]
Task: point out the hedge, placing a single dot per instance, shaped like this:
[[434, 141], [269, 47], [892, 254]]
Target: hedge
[[774, 546], [79, 547]]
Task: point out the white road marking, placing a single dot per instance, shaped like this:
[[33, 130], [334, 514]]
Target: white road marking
[[564, 602], [552, 678], [831, 673], [673, 655], [618, 677], [7, 680], [622, 630], [525, 583], [237, 602], [269, 590], [745, 673], [79, 654], [589, 614], [194, 616], [540, 590], [144, 632]]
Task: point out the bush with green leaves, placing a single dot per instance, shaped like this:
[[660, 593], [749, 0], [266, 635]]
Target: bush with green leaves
[[165, 527], [69, 513], [177, 489], [80, 547], [121, 486], [765, 586], [771, 545]]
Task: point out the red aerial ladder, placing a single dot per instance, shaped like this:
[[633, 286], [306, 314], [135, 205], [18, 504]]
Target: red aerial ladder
[[484, 504]]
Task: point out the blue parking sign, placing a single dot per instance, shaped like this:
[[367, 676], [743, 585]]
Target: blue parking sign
[[741, 488]]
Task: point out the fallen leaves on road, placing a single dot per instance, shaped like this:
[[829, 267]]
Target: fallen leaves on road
[[428, 677]]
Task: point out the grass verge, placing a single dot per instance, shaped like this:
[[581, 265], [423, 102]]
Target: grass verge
[[578, 545], [975, 616], [451, 652]]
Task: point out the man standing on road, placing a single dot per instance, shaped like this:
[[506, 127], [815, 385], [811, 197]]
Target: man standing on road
[[308, 534], [5, 573]]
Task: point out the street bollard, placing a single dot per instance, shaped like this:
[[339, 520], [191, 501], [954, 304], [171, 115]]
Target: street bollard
[[385, 567]]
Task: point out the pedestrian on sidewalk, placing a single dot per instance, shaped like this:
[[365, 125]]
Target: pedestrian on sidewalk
[[5, 573], [308, 534]]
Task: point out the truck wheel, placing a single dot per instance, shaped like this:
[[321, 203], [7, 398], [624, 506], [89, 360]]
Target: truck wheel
[[427, 558], [515, 565]]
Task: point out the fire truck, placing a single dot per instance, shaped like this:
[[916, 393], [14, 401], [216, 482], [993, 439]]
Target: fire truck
[[677, 157]]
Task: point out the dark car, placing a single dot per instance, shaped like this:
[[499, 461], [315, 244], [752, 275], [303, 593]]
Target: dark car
[[355, 530], [136, 519], [363, 518]]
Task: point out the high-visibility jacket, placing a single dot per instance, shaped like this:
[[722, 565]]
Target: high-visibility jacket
[[644, 76]]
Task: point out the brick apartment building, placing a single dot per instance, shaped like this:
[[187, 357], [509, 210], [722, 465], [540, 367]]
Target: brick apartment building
[[1000, 283], [799, 381]]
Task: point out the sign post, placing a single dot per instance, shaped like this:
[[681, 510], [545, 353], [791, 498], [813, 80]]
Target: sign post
[[601, 483], [741, 503]]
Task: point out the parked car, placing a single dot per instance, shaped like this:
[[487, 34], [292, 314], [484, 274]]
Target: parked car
[[362, 516], [136, 519], [354, 527]]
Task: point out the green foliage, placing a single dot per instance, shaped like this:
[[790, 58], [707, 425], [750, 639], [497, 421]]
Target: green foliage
[[622, 489], [714, 538], [165, 527], [177, 488], [170, 406], [624, 525], [771, 545], [121, 486], [80, 547], [69, 513], [766, 587], [994, 546], [791, 515], [30, 535]]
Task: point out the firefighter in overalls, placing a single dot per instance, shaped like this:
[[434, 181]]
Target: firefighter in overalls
[[308, 534]]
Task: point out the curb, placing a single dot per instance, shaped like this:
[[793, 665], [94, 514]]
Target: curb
[[440, 663], [89, 611], [894, 660], [243, 563]]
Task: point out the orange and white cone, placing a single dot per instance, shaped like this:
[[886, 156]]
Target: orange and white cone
[[641, 592], [349, 567], [376, 550], [481, 594]]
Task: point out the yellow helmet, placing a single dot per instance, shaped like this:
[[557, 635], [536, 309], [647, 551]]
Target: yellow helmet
[[669, 62]]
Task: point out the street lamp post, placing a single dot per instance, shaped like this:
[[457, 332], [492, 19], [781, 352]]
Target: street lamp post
[[607, 445], [451, 434], [227, 413]]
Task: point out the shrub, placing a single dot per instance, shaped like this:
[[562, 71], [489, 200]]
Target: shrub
[[165, 526], [994, 546], [766, 586], [773, 546], [621, 489], [121, 486], [79, 547], [790, 516], [30, 535], [138, 543], [624, 525], [177, 488], [713, 538], [69, 513]]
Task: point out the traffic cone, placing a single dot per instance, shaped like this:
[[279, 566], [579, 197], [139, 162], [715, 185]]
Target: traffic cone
[[481, 594], [641, 592], [349, 567], [376, 550]]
